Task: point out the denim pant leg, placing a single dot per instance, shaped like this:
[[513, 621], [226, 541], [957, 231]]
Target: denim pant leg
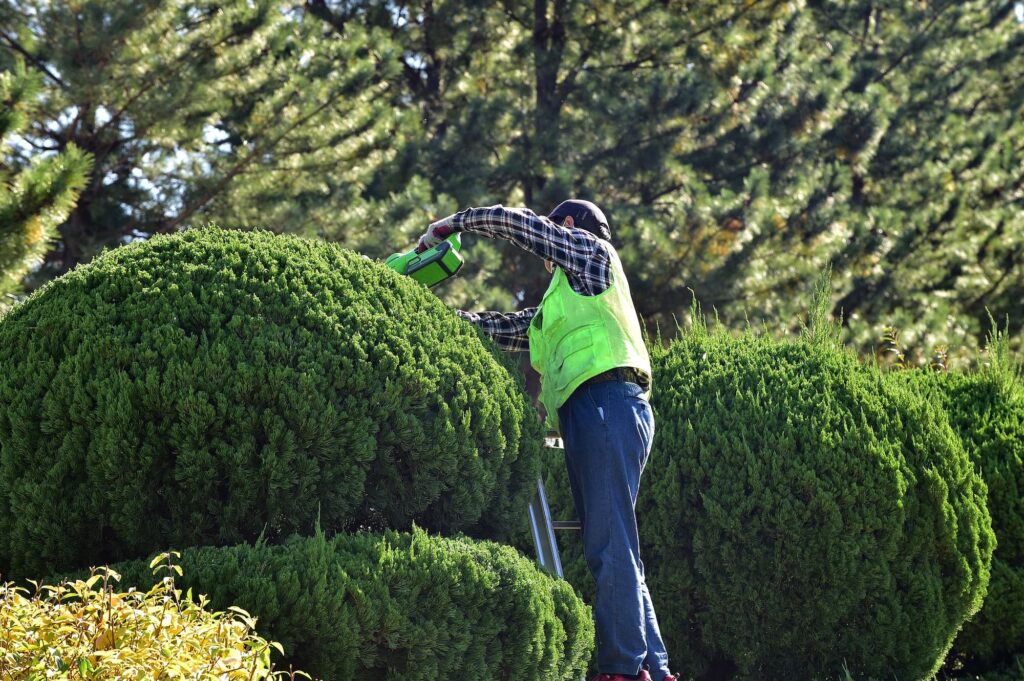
[[657, 657], [607, 429]]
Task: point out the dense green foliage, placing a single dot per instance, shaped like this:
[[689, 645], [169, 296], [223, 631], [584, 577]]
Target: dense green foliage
[[799, 516], [397, 606], [736, 147], [1012, 671], [987, 411], [214, 386], [34, 200], [807, 515], [190, 105]]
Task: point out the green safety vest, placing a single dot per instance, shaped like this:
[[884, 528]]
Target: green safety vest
[[575, 337]]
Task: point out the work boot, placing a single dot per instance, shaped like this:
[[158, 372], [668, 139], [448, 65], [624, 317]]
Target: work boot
[[644, 676]]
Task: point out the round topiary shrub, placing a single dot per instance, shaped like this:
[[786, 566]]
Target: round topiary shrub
[[799, 515], [396, 606], [216, 386], [986, 409]]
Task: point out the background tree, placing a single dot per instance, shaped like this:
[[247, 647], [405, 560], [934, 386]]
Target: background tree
[[200, 110], [912, 186], [35, 198], [737, 147]]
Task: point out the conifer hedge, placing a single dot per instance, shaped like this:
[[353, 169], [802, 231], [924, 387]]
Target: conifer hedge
[[407, 606], [986, 409], [805, 514], [799, 515], [215, 386]]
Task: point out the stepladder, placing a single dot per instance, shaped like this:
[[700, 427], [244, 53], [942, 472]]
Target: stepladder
[[543, 526]]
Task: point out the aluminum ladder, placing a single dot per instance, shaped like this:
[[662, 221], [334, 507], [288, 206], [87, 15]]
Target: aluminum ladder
[[543, 527]]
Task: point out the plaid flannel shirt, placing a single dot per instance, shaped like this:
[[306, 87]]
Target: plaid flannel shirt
[[583, 257]]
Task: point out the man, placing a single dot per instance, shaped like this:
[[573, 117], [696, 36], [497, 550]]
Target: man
[[585, 342]]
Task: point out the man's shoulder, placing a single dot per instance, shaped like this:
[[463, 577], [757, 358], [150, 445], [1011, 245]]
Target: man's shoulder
[[607, 249]]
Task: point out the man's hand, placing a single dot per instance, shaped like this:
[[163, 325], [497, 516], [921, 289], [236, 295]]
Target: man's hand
[[436, 233]]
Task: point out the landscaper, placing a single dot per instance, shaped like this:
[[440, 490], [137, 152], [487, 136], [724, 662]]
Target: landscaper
[[585, 342]]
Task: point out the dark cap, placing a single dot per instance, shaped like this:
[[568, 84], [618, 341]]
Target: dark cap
[[585, 215]]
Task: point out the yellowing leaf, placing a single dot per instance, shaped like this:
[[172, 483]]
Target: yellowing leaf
[[104, 640]]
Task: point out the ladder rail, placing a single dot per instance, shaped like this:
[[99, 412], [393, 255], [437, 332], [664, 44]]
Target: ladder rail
[[541, 524], [544, 532]]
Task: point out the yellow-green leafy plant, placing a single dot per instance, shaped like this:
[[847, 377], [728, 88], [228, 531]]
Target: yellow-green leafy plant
[[83, 629]]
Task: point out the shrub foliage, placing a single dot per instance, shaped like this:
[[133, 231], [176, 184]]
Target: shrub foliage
[[986, 408], [806, 515], [214, 386], [397, 605]]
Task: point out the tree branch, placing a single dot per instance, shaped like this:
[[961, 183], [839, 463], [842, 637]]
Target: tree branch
[[910, 48], [519, 20], [320, 10], [14, 45], [256, 151], [651, 57]]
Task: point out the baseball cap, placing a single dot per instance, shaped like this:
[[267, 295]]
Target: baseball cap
[[585, 215]]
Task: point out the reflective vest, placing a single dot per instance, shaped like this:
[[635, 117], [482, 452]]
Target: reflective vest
[[575, 337]]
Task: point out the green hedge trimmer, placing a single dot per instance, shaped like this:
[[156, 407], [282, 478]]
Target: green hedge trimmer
[[433, 265]]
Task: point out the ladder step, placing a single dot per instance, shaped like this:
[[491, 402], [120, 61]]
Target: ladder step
[[552, 441], [565, 525]]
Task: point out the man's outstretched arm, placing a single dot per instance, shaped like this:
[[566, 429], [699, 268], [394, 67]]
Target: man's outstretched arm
[[582, 256], [507, 329]]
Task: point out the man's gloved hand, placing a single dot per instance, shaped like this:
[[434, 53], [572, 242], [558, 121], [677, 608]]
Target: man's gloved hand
[[436, 233]]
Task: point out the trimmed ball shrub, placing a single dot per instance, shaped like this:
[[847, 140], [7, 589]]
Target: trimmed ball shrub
[[987, 411], [397, 606], [1012, 670], [799, 516], [216, 386]]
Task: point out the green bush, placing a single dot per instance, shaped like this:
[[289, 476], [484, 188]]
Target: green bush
[[800, 516], [211, 387], [987, 411], [1011, 670], [396, 606]]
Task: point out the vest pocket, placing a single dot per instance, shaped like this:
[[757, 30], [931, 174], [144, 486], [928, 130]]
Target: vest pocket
[[573, 355], [553, 310]]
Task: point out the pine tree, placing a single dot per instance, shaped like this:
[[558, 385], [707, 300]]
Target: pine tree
[[738, 149], [34, 198], [528, 103], [904, 173], [240, 112]]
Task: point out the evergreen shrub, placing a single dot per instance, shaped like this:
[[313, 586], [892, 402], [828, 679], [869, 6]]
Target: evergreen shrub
[[800, 516], [1012, 670], [408, 606], [214, 386], [986, 408]]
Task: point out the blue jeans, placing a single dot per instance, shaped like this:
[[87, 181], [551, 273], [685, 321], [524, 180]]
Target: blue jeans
[[607, 429]]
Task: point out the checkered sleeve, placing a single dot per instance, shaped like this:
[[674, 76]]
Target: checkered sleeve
[[583, 256], [507, 329]]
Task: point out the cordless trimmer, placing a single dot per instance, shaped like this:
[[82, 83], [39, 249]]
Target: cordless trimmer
[[433, 265]]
